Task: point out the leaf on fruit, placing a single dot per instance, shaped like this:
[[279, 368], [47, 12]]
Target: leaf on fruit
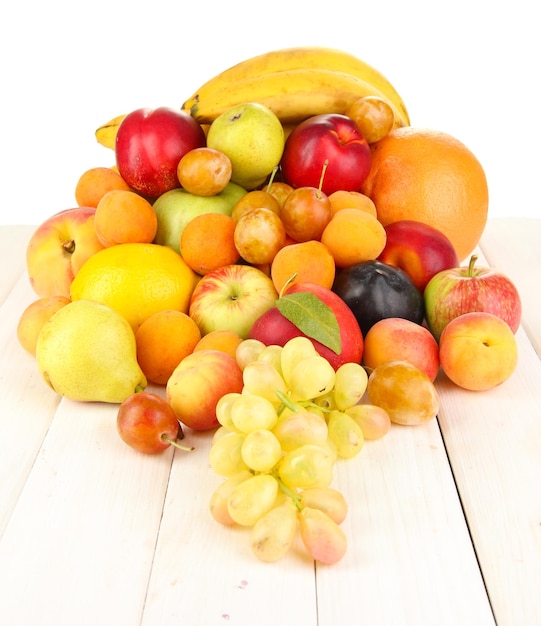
[[312, 317]]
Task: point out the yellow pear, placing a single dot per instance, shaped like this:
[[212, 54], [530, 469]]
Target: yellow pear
[[86, 352]]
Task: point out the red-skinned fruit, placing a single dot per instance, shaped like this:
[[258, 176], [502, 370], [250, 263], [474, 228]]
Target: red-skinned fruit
[[330, 137], [149, 145], [147, 423]]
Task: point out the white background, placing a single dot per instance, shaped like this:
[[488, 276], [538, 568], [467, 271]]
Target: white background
[[469, 68]]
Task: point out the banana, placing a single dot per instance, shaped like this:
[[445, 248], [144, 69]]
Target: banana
[[293, 95], [106, 133], [297, 58]]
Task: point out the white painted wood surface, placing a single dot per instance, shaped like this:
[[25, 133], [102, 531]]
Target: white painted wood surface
[[444, 524]]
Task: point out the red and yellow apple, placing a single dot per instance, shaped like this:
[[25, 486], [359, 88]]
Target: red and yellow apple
[[198, 382], [419, 249], [396, 338], [478, 351], [459, 290], [231, 298], [58, 248], [274, 328], [328, 144]]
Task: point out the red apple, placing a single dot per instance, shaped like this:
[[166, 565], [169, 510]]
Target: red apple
[[231, 298], [330, 138], [149, 145], [274, 328], [147, 422], [58, 248], [198, 382], [459, 290], [419, 249], [478, 351]]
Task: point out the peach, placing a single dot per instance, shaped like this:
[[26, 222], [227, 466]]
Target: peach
[[33, 318], [198, 382], [396, 338], [478, 351], [58, 248]]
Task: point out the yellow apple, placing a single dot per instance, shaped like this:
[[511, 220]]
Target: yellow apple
[[58, 248], [478, 351]]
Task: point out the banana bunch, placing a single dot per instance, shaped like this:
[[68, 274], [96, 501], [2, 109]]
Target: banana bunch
[[295, 83]]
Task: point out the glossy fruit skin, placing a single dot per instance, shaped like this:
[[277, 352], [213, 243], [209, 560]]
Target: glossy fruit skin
[[142, 421], [374, 290], [419, 249], [331, 137], [273, 328], [149, 145]]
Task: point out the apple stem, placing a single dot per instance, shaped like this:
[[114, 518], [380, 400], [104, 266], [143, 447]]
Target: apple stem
[[323, 171], [287, 283], [175, 443], [473, 260], [69, 246]]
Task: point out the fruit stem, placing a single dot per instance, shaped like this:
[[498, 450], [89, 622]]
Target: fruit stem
[[323, 171], [175, 443], [287, 283], [273, 174], [291, 494], [472, 262]]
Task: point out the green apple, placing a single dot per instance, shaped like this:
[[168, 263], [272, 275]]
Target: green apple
[[252, 136], [176, 207]]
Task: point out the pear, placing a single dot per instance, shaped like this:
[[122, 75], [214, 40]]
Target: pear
[[252, 136], [87, 352]]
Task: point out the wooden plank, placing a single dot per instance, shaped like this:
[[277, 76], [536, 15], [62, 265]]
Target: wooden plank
[[410, 558], [205, 573], [12, 255], [79, 545], [28, 405], [514, 247]]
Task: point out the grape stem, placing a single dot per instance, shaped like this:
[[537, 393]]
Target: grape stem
[[286, 401], [290, 493]]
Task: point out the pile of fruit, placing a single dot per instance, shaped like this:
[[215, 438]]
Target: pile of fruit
[[281, 258]]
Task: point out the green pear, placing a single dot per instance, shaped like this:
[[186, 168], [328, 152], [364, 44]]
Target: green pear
[[86, 352], [252, 136], [175, 208]]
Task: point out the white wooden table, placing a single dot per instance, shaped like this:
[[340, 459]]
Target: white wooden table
[[444, 524]]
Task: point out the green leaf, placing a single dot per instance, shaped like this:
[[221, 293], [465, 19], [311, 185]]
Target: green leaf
[[312, 317]]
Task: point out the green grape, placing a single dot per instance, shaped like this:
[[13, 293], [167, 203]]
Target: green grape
[[345, 433], [295, 429], [273, 355], [373, 420], [306, 467], [220, 496], [350, 385], [223, 409], [273, 534], [251, 412], [247, 351], [311, 377], [252, 498], [405, 392], [294, 351], [262, 379], [261, 450], [225, 456], [325, 401], [323, 539], [326, 499]]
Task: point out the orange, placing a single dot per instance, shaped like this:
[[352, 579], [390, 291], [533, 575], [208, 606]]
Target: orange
[[224, 340], [307, 261], [124, 217], [95, 182], [429, 176], [353, 236], [162, 341], [207, 242], [137, 280]]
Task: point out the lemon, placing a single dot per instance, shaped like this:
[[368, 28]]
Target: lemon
[[137, 280]]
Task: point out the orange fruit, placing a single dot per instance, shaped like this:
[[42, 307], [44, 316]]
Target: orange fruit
[[432, 177], [353, 236], [303, 262], [95, 182], [224, 340], [124, 217], [207, 242], [162, 341]]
